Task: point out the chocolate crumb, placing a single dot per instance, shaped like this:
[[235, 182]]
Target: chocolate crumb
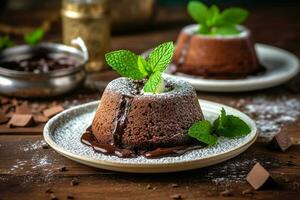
[[70, 197], [20, 120], [174, 185], [226, 193], [45, 146], [149, 187], [50, 112], [49, 190], [248, 191], [53, 197], [176, 197], [74, 182], [63, 169]]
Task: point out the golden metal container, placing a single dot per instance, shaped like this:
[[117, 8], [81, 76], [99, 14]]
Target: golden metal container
[[89, 20]]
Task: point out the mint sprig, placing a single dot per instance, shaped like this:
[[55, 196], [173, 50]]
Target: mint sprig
[[5, 42], [214, 22], [133, 66], [34, 37], [202, 131], [225, 125]]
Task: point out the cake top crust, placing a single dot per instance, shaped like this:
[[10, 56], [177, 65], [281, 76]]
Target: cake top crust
[[129, 87]]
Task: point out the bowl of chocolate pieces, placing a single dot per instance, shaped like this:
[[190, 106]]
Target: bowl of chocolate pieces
[[41, 69]]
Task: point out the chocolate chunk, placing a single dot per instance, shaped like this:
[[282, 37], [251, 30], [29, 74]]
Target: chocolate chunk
[[258, 176], [50, 112], [40, 118], [174, 185], [24, 108], [53, 197], [20, 120], [281, 141], [4, 101], [74, 182], [176, 197], [3, 118], [45, 146], [226, 193]]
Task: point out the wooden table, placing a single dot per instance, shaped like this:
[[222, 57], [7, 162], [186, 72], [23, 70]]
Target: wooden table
[[28, 171]]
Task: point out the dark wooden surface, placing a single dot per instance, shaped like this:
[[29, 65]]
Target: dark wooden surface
[[27, 170]]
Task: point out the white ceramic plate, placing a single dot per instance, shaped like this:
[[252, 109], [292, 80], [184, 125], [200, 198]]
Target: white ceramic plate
[[281, 66], [63, 134]]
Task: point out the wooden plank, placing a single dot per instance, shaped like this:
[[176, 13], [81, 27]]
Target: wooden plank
[[27, 170]]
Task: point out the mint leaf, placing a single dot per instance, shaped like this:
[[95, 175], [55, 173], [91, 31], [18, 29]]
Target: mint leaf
[[234, 16], [225, 30], [202, 131], [212, 15], [5, 42], [155, 84], [125, 63], [197, 11], [230, 126], [142, 65], [160, 57], [203, 29], [34, 37]]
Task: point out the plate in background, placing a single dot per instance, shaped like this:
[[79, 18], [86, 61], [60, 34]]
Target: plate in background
[[281, 66]]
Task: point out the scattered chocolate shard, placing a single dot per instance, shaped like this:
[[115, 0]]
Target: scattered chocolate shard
[[74, 182], [258, 177], [174, 185], [53, 197], [226, 193], [4, 101], [14, 102], [3, 118], [281, 141], [248, 191], [24, 108], [6, 108], [50, 112], [40, 118], [176, 197], [20, 120]]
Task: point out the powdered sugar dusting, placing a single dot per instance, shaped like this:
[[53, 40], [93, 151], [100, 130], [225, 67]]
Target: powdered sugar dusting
[[270, 114]]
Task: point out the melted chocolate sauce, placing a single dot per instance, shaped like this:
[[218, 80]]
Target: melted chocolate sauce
[[121, 119], [89, 139]]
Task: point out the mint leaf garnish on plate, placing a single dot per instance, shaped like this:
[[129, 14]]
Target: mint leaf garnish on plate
[[225, 125], [214, 22], [230, 126], [202, 131], [35, 36], [133, 66]]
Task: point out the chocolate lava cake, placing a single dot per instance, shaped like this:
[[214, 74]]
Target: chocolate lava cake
[[230, 56], [128, 119]]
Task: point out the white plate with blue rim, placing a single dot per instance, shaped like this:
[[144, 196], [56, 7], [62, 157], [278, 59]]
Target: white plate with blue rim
[[280, 65], [63, 133]]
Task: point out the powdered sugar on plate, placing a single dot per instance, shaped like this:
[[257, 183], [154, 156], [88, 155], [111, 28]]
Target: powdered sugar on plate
[[271, 114]]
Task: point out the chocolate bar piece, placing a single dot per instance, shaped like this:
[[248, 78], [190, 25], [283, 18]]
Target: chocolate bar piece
[[23, 108], [281, 141], [20, 120], [258, 176], [50, 112]]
